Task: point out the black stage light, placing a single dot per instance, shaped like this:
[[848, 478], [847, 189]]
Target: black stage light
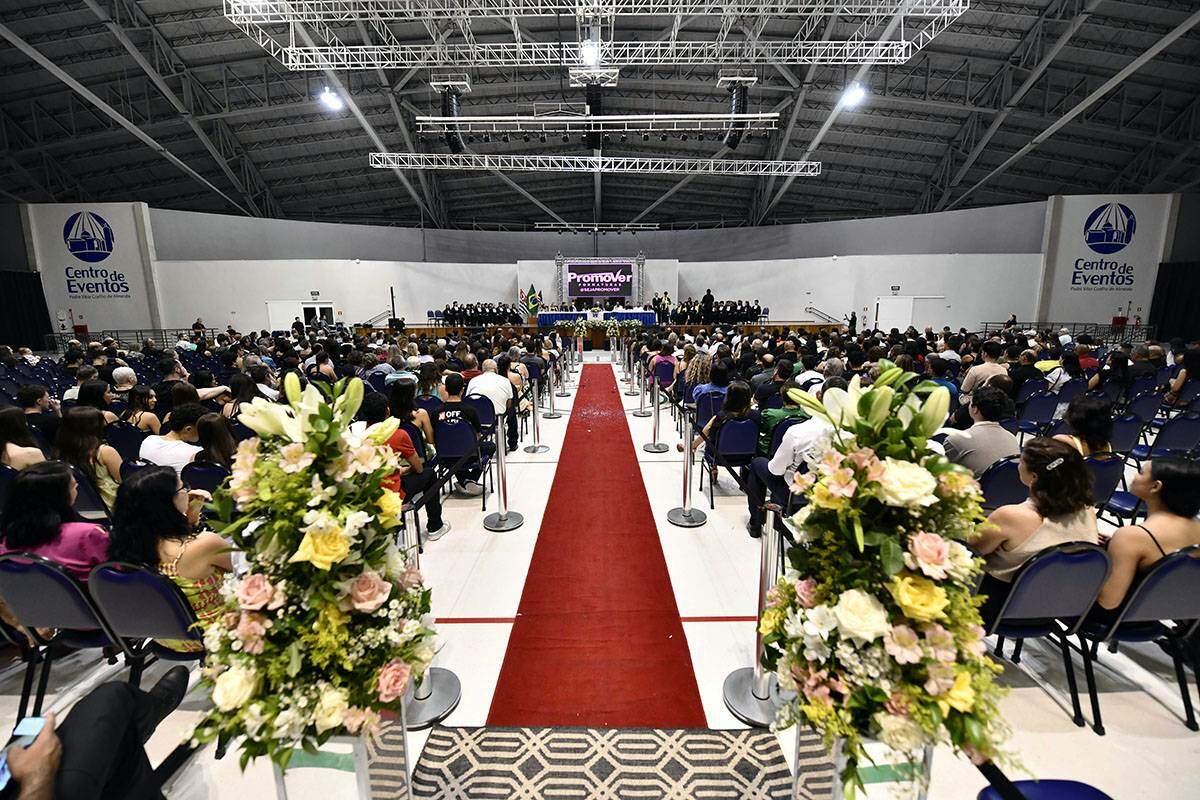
[[683, 137], [624, 137], [487, 137], [541, 138], [645, 137], [566, 138], [662, 137], [504, 138], [526, 138]]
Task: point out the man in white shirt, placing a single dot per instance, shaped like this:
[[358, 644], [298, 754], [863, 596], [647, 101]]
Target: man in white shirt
[[493, 386], [771, 479], [177, 448]]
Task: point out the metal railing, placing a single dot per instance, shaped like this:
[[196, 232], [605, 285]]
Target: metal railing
[[134, 337], [822, 316], [1101, 333]]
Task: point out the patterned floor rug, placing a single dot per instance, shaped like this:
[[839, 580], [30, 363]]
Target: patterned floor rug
[[594, 764]]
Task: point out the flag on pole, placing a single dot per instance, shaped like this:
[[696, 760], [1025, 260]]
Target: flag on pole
[[531, 300]]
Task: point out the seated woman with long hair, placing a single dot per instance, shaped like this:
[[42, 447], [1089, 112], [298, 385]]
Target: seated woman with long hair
[[140, 411], [80, 442], [1059, 510], [1170, 488], [39, 517], [217, 445], [155, 525], [1091, 423], [18, 448], [243, 389], [738, 397], [98, 395], [400, 399]]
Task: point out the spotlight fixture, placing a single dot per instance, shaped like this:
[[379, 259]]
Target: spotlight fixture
[[487, 137], [471, 139], [853, 95], [526, 138], [662, 137], [566, 138], [607, 139], [700, 137], [331, 99], [589, 52], [645, 137], [624, 137], [541, 138], [683, 137], [504, 138]]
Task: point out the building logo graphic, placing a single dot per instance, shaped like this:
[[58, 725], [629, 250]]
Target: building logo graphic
[[88, 236], [1109, 228]]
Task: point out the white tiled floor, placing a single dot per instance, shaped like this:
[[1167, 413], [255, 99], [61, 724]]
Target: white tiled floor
[[478, 576]]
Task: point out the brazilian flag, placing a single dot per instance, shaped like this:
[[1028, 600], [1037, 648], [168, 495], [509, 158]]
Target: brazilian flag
[[532, 300]]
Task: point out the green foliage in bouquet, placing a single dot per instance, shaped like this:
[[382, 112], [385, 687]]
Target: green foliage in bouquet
[[331, 623], [875, 626]]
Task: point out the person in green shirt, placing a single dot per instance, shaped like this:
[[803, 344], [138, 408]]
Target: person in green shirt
[[769, 418]]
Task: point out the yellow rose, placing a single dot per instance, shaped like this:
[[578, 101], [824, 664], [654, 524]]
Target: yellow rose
[[919, 598], [390, 507], [772, 618], [961, 696], [322, 548]]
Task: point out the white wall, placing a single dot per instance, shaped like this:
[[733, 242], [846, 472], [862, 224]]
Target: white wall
[[959, 289], [235, 292]]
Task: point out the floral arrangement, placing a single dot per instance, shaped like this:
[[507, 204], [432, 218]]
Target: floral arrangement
[[331, 623], [611, 327], [875, 626]]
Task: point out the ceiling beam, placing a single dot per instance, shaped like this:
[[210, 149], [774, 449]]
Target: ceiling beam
[[1130, 68], [16, 41]]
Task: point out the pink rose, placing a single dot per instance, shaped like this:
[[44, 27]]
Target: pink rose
[[366, 592], [393, 680], [254, 592], [806, 592], [251, 630], [931, 554], [356, 719], [411, 578]]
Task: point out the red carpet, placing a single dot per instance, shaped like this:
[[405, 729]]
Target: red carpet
[[598, 641]]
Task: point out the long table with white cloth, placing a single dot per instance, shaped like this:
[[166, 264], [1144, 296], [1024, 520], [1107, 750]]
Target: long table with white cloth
[[550, 318]]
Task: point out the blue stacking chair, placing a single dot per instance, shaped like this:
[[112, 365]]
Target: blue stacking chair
[[1107, 470], [1029, 388], [664, 373], [708, 405], [455, 440], [1037, 415], [1179, 436], [87, 500], [125, 438], [430, 404], [486, 411], [203, 475], [378, 382], [1145, 406], [1187, 394], [141, 605], [1060, 427], [1126, 431], [29, 655], [736, 446], [133, 465], [780, 430], [1112, 391], [1001, 484], [1010, 424], [42, 596], [1072, 389], [773, 401], [240, 431], [7, 474], [1048, 790], [1170, 591], [1049, 598]]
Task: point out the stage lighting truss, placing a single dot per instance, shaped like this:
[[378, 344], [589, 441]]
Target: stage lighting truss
[[606, 164], [616, 123], [596, 227], [594, 58]]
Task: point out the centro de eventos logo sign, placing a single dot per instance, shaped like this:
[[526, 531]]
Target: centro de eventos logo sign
[[1109, 228], [88, 236]]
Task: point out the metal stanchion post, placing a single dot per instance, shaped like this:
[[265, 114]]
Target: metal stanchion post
[[564, 374], [612, 347], [685, 516], [537, 446], [642, 411], [439, 692], [630, 376], [752, 693], [551, 414], [503, 520], [655, 446]]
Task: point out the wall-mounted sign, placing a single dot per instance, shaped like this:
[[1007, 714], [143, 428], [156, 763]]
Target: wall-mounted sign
[[315, 295], [896, 289]]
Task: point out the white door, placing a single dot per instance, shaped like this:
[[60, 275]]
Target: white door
[[893, 312]]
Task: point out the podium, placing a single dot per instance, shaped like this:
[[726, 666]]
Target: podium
[[599, 338]]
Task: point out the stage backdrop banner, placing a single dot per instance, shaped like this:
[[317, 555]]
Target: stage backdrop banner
[[599, 278], [1102, 255], [94, 261]]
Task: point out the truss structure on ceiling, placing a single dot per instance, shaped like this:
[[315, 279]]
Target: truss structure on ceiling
[[596, 164], [301, 34], [616, 123]]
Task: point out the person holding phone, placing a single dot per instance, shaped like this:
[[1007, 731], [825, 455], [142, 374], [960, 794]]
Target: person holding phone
[[97, 753]]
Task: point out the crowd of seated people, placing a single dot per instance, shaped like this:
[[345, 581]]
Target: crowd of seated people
[[473, 315], [989, 379]]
